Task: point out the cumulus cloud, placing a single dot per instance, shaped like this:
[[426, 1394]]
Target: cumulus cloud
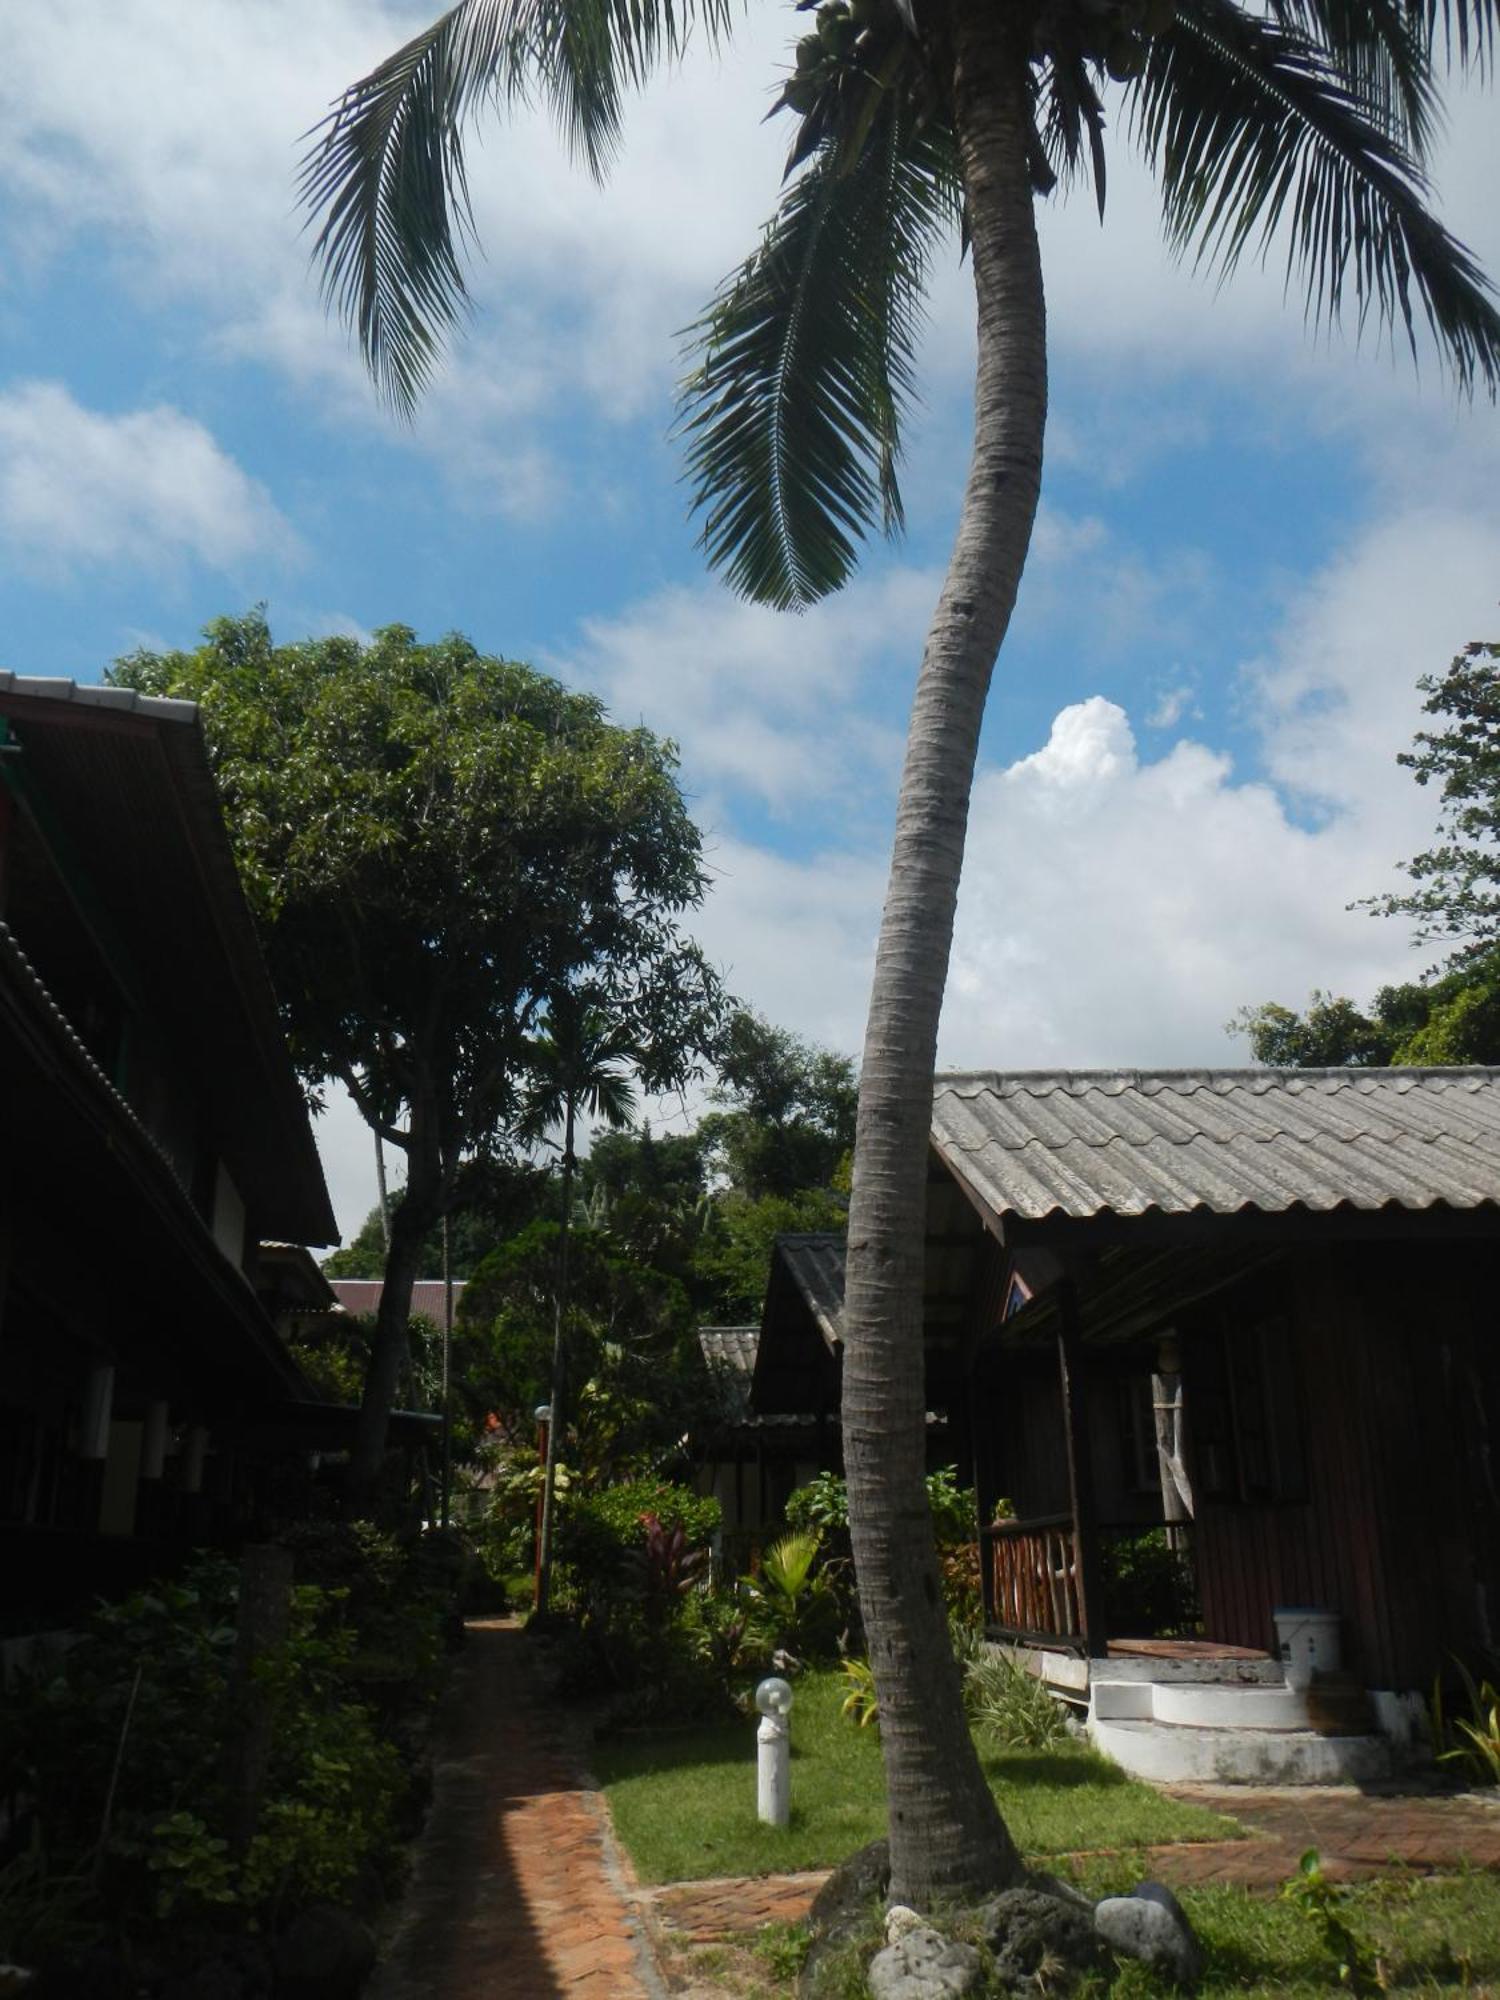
[[144, 487], [1119, 908]]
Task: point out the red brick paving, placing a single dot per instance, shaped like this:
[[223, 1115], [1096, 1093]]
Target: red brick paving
[[1356, 1833], [516, 1889]]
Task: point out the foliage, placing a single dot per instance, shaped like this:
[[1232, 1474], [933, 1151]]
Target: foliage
[[1010, 1706], [117, 1747], [1324, 1903], [1452, 1017], [1472, 1741], [664, 1568], [1457, 898], [1147, 1585], [788, 1116], [793, 1602], [823, 1504], [508, 1196], [861, 1703], [436, 844], [733, 1258]]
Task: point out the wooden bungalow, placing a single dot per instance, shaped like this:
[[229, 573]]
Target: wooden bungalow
[[154, 1136], [1223, 1344]]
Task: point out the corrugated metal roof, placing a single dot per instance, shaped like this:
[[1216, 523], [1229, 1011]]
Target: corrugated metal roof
[[816, 1266], [730, 1347], [1132, 1142]]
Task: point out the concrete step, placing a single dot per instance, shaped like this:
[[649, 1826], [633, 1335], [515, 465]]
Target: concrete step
[[1331, 1707], [1173, 1753]]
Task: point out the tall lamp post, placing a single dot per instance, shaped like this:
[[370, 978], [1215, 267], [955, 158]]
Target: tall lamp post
[[543, 1415]]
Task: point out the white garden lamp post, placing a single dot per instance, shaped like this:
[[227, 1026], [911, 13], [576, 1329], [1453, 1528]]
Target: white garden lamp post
[[774, 1774]]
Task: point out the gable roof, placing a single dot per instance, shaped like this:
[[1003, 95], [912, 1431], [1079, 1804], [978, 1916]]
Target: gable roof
[[730, 1349], [126, 778], [1045, 1144]]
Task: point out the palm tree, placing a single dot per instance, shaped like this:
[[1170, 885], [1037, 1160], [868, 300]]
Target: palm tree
[[577, 1064], [1306, 120]]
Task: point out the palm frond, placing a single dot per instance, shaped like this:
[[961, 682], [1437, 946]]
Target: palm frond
[[386, 171], [1384, 47], [793, 415], [1251, 127]]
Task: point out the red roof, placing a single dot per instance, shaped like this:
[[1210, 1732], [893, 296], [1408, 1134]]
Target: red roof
[[362, 1295]]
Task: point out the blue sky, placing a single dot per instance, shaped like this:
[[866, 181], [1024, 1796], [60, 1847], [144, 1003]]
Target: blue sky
[[1253, 537]]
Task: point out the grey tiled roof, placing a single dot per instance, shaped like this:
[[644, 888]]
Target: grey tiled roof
[[1129, 1142], [730, 1347], [816, 1264]]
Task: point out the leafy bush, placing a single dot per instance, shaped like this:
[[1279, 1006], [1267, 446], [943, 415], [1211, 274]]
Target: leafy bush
[[1147, 1586], [1470, 1741], [120, 1751], [1009, 1705], [822, 1506], [793, 1603]]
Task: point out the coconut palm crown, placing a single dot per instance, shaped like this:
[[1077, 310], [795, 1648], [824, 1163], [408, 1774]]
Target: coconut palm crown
[[1295, 127]]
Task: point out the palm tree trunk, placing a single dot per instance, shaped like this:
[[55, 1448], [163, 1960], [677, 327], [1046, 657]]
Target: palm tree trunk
[[947, 1837], [559, 1373]]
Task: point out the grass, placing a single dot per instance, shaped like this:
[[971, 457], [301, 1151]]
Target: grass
[[1421, 1936], [1418, 1934], [684, 1802]]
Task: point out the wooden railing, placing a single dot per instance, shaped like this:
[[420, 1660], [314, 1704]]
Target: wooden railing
[[1034, 1582]]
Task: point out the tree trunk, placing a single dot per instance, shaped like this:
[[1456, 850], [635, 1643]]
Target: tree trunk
[[947, 1836], [410, 1221], [559, 1376]]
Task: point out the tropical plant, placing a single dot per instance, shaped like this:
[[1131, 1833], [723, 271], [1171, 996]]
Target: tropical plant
[[861, 1703], [793, 1600], [581, 1063], [1009, 1705], [665, 1568], [1471, 1741], [916, 119]]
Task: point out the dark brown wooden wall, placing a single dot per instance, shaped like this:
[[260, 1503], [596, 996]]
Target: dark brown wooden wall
[[1400, 1530]]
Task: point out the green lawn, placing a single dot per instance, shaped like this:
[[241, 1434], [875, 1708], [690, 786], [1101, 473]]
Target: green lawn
[[684, 1801]]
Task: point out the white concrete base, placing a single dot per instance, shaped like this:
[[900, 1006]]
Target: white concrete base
[[1173, 1754]]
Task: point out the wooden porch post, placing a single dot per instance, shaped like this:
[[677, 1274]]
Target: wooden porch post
[[1080, 1473], [982, 1435]]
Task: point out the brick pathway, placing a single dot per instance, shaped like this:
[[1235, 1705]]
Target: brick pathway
[[1357, 1833], [515, 1890]]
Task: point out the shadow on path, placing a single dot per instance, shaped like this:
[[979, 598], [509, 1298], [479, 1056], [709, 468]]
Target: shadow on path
[[514, 1889]]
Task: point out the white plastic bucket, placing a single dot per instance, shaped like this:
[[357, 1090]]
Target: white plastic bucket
[[1308, 1641]]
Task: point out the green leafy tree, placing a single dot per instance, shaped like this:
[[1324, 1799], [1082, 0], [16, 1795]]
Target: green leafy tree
[[1457, 897], [916, 120], [1450, 1016], [510, 1195], [436, 844], [788, 1121]]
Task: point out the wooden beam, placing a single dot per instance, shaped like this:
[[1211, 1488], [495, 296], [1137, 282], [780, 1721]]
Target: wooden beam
[[1080, 1473]]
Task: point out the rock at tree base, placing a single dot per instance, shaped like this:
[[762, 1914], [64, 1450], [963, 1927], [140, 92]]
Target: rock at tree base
[[1150, 1925], [924, 1965], [844, 1905], [1041, 1941], [323, 1954]]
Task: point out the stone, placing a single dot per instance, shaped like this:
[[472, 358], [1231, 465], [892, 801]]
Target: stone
[[1150, 1926], [899, 1919], [924, 1965], [845, 1904], [1041, 1941], [323, 1954]]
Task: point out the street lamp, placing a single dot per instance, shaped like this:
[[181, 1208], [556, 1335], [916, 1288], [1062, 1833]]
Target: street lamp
[[543, 1415]]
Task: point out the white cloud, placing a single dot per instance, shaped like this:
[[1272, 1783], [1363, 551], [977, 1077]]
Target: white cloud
[[144, 487], [1119, 909]]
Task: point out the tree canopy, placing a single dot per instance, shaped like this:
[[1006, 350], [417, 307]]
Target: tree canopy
[[437, 845], [1450, 1015]]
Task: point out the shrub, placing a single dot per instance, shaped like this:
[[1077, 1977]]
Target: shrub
[[793, 1603], [1009, 1705]]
